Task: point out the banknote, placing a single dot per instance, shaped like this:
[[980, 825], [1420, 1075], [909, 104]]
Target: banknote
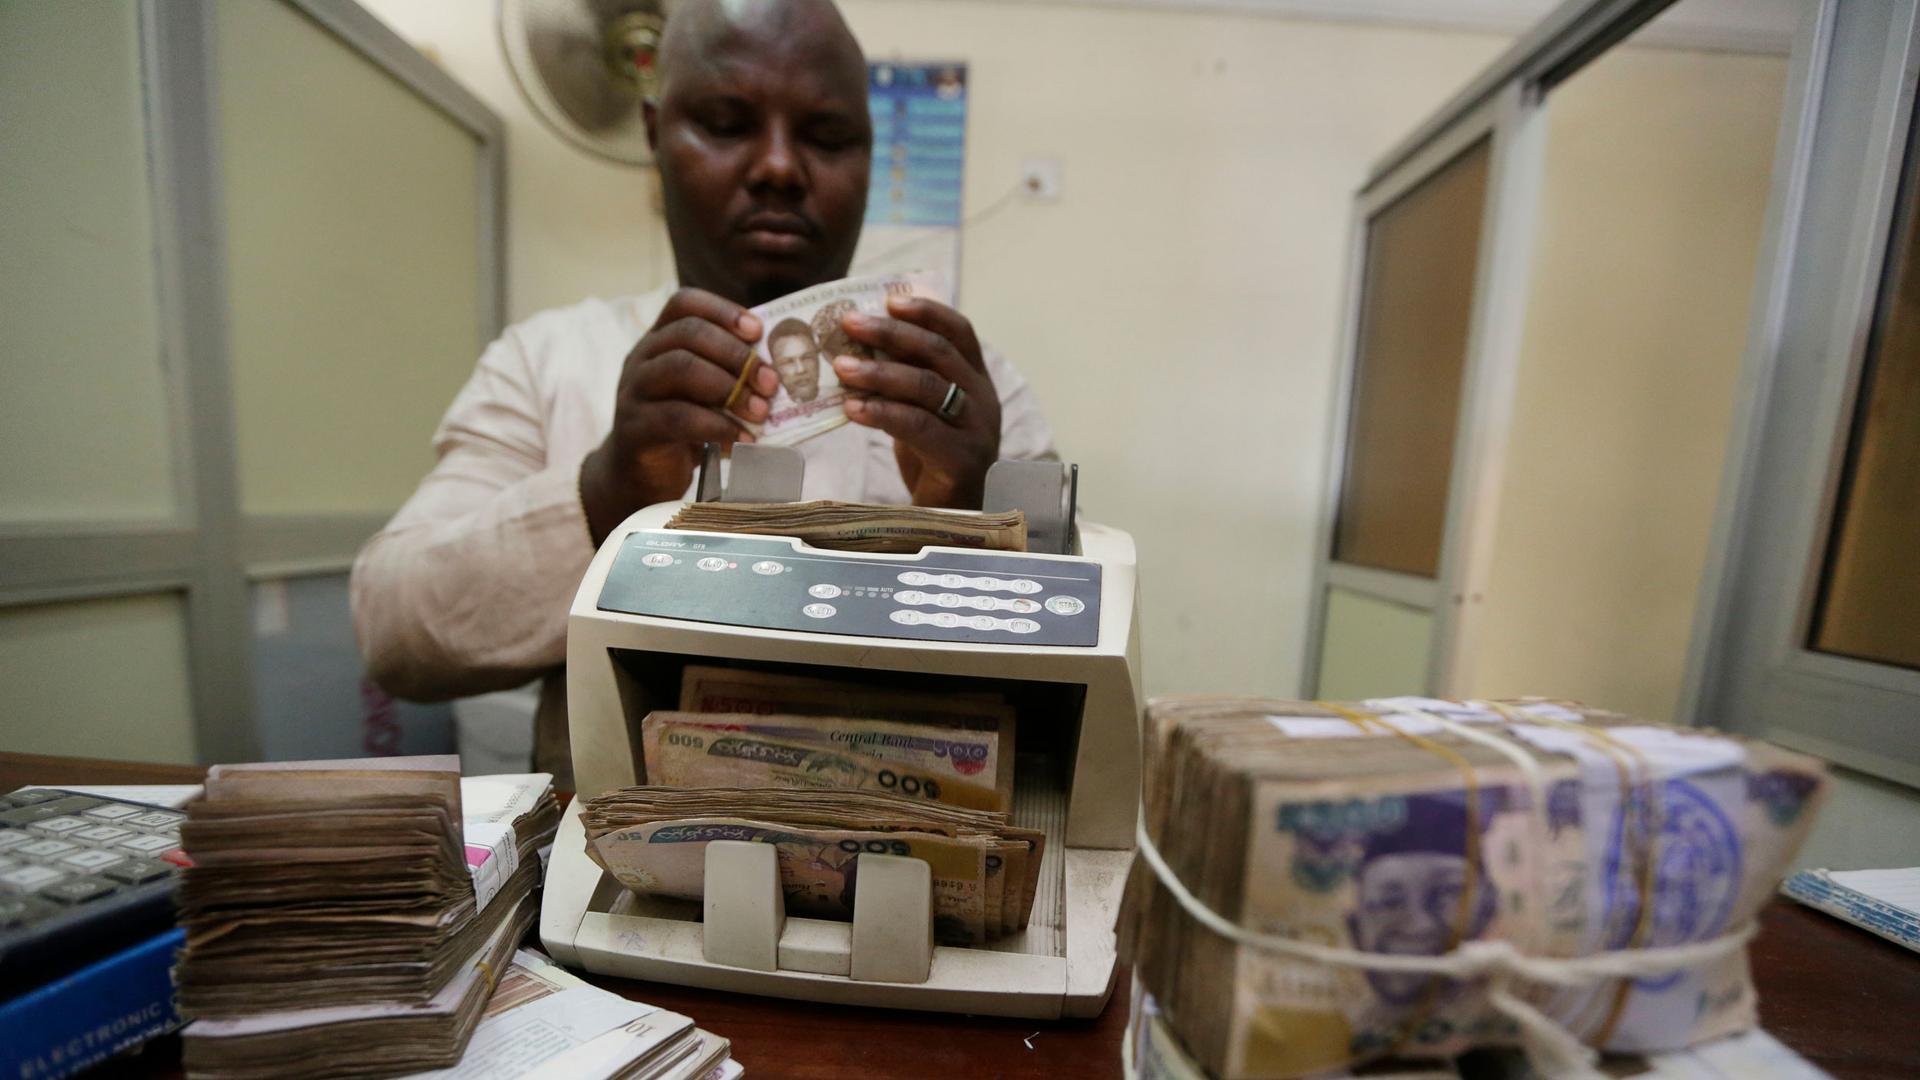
[[985, 872], [1371, 827], [818, 867], [705, 689], [840, 526], [919, 761], [803, 333]]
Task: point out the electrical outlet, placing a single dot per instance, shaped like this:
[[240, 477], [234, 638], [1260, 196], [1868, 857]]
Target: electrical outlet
[[1040, 179]]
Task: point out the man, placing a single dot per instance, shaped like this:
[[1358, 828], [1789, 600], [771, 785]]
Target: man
[[1418, 894], [763, 142], [796, 359]]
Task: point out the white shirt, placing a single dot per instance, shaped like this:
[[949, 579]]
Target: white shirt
[[467, 588]]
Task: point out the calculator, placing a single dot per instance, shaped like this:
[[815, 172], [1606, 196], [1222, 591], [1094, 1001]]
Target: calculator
[[81, 876]]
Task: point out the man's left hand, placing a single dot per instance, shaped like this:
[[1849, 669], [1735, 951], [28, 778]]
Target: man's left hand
[[927, 349]]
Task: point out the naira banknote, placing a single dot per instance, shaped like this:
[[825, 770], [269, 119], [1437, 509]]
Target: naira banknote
[[803, 333], [818, 866], [705, 689], [1372, 827], [747, 750]]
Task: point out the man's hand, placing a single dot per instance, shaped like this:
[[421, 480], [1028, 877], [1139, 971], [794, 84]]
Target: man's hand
[[671, 390], [928, 347]]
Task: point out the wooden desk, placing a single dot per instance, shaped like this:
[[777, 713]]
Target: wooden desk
[[1845, 999]]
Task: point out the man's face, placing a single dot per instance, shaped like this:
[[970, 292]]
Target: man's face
[[798, 366], [1407, 907], [764, 143]]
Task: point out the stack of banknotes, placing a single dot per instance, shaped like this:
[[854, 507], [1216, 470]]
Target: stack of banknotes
[[841, 526], [346, 919], [796, 731], [826, 770], [1376, 827]]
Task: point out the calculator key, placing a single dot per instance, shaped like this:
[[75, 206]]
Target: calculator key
[[73, 804], [27, 815], [47, 849], [78, 891], [31, 877], [8, 862], [148, 845], [12, 838], [91, 859], [137, 871], [20, 910], [58, 825], [112, 812], [178, 858], [101, 834], [33, 795], [158, 819]]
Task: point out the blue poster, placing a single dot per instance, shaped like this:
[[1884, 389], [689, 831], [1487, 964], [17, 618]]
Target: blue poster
[[919, 143]]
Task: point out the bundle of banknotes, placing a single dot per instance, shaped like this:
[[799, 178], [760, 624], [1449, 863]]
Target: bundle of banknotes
[[739, 728], [1375, 827], [825, 770], [985, 871], [344, 918], [544, 1024], [841, 526], [804, 332]]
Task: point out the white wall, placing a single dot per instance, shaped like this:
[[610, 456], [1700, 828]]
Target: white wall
[[1175, 309]]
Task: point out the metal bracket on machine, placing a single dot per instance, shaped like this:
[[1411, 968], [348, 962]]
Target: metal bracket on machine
[[759, 474], [1048, 493]]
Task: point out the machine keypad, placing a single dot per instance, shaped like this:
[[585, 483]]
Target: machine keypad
[[941, 595]]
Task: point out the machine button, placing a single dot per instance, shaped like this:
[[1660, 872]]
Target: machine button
[[984, 622], [767, 566], [823, 591], [712, 563], [947, 599], [1022, 604], [1023, 585], [983, 603], [656, 559], [951, 581], [1065, 605], [944, 618], [820, 611], [907, 618], [913, 577], [1022, 626], [910, 596]]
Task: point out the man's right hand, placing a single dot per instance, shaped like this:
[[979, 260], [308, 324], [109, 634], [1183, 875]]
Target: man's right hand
[[671, 390]]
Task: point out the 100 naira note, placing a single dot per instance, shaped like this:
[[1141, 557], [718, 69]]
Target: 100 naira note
[[818, 866], [919, 761]]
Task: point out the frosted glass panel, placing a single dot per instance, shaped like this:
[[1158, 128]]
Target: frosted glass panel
[[1658, 167], [97, 678], [83, 420], [1372, 648], [353, 210], [1416, 309]]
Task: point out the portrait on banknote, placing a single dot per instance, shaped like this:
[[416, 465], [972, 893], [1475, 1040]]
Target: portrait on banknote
[[806, 331], [796, 359]]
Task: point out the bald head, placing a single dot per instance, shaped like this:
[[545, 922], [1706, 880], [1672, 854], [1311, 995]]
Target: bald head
[[701, 29], [763, 142]]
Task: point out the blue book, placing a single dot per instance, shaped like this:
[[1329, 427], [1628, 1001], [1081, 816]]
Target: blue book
[[80, 1019]]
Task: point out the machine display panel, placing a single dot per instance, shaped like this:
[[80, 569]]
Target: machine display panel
[[976, 597]]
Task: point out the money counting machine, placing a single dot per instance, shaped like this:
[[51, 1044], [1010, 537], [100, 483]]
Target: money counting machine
[[1066, 656]]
